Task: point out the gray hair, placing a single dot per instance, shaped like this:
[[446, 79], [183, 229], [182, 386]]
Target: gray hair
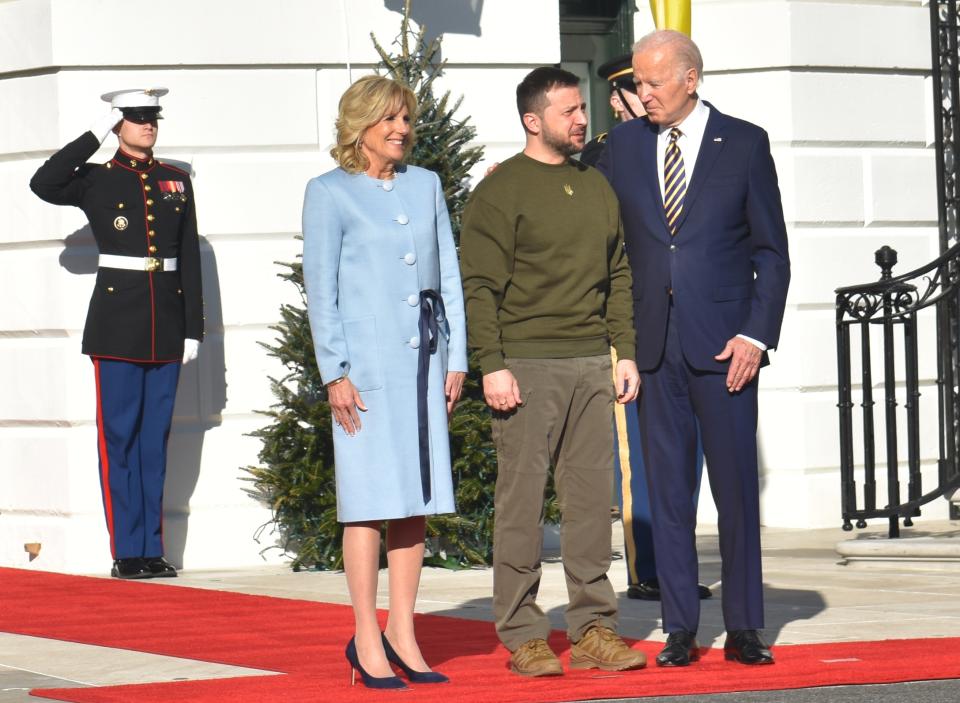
[[683, 50]]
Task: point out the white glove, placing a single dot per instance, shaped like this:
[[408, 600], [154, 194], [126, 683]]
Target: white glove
[[102, 127], [191, 348]]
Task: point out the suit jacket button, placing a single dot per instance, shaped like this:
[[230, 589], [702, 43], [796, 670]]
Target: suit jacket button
[[413, 300], [403, 219], [388, 186], [673, 247], [414, 343], [410, 258]]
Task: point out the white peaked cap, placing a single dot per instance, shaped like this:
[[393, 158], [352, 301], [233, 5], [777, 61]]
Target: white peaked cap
[[135, 97]]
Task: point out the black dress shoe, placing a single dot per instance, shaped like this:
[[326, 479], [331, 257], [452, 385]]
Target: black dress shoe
[[133, 568], [746, 647], [650, 590], [160, 567], [645, 590], [681, 649]]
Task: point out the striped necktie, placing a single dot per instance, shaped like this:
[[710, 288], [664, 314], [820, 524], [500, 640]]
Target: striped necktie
[[674, 181]]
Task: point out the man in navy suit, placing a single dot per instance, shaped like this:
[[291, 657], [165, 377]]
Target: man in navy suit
[[707, 243]]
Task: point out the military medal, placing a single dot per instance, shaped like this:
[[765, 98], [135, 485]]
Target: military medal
[[568, 189], [120, 223], [172, 190]]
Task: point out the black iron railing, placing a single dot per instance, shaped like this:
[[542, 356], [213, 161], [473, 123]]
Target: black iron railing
[[889, 309]]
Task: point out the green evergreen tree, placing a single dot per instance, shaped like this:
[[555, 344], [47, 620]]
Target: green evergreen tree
[[295, 476]]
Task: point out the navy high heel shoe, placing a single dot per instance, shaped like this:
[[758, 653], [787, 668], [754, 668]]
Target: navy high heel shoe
[[369, 681], [414, 676]]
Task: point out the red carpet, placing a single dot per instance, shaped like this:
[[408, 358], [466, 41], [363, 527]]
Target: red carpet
[[305, 641]]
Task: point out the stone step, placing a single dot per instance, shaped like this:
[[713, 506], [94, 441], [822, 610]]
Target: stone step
[[941, 552]]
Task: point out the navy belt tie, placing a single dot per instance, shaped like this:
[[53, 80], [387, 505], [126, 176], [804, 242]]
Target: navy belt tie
[[431, 311]]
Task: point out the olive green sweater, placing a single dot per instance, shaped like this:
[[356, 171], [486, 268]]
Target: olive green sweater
[[544, 269]]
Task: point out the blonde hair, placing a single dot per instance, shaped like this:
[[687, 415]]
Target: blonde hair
[[365, 103]]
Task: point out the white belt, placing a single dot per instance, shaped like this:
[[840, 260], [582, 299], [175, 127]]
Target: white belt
[[137, 263]]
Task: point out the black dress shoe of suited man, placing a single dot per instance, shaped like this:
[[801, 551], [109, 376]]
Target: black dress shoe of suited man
[[650, 590], [133, 568], [681, 649], [746, 647], [160, 567]]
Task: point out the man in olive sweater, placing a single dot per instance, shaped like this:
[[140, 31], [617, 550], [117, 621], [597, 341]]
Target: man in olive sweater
[[548, 291]]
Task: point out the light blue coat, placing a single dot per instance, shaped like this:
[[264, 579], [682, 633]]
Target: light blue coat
[[369, 248]]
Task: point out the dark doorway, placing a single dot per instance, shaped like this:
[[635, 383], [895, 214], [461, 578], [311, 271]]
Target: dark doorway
[[591, 33]]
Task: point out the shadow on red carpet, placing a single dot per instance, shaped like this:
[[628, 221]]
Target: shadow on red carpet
[[304, 641]]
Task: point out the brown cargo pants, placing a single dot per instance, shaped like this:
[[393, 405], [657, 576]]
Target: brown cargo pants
[[565, 421]]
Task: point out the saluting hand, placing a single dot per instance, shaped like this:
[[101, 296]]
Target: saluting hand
[[344, 399], [744, 363]]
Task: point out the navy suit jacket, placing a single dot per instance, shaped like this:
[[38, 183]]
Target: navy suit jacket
[[727, 267]]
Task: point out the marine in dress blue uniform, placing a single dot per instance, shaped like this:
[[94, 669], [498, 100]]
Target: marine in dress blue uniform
[[630, 475], [145, 316]]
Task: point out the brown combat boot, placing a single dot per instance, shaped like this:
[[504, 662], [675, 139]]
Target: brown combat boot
[[535, 658], [601, 648]]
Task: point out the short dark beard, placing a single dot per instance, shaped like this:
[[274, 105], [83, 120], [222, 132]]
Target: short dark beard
[[566, 148]]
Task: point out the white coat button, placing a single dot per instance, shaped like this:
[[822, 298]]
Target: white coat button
[[410, 258], [673, 247], [413, 300], [414, 342], [403, 219], [388, 186]]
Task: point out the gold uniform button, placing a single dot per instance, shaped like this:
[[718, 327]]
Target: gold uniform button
[[152, 233], [120, 206], [177, 209], [109, 289], [109, 165], [133, 163], [143, 176], [146, 188], [152, 249], [150, 218], [149, 201], [179, 291]]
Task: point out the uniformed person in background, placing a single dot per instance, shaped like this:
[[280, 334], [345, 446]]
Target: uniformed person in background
[[623, 101], [145, 317], [630, 473]]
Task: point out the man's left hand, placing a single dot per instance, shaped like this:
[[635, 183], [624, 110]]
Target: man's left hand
[[191, 347], [628, 381], [744, 363]]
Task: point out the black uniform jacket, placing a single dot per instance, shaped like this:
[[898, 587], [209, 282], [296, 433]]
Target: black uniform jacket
[[137, 209], [592, 149]]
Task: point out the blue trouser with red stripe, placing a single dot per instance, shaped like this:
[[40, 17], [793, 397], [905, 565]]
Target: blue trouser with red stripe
[[134, 413]]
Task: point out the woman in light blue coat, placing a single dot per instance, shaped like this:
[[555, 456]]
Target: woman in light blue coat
[[386, 314]]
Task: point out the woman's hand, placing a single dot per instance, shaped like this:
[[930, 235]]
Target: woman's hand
[[344, 401], [452, 388]]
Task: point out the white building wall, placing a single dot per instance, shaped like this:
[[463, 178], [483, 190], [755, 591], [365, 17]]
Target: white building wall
[[843, 88]]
